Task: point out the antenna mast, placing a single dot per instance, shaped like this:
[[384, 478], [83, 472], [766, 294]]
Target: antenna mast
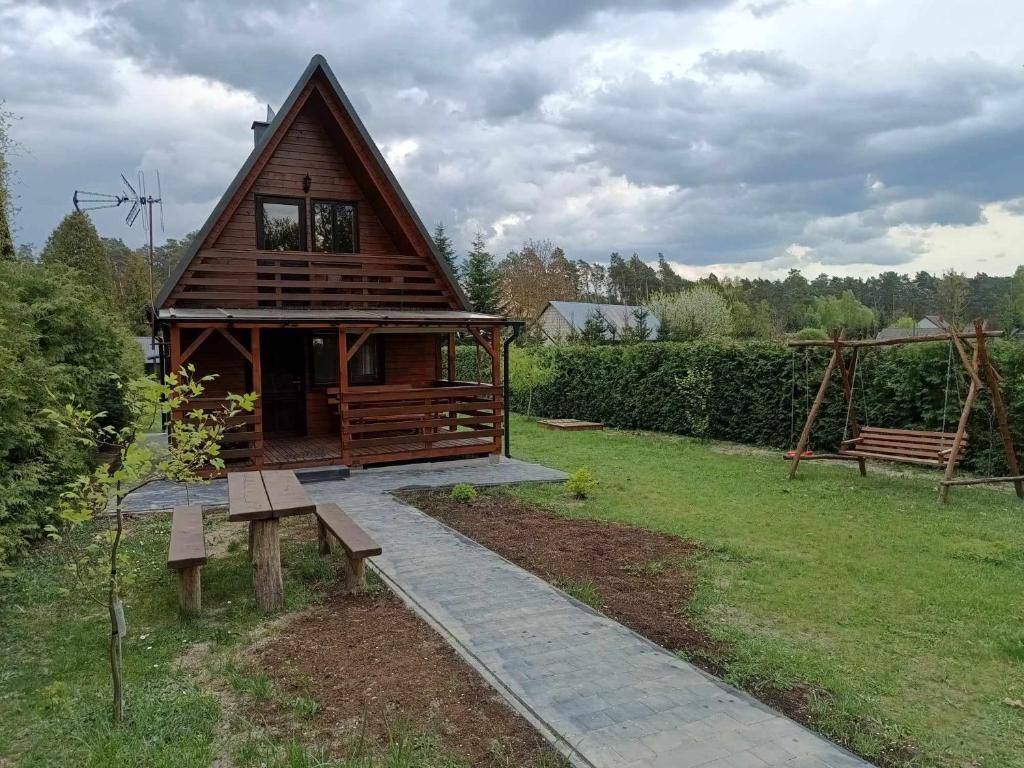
[[142, 204]]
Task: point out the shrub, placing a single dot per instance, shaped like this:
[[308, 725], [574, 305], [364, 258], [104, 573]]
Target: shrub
[[811, 334], [464, 493], [581, 483], [56, 338], [758, 392], [698, 313]]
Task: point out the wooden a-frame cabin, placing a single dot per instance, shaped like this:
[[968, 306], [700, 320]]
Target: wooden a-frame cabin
[[315, 284]]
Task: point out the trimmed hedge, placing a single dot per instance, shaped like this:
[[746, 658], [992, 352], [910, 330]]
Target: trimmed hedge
[[759, 392]]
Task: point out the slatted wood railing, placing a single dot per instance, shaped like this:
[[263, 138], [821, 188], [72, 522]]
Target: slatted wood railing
[[399, 423], [287, 279], [241, 444]]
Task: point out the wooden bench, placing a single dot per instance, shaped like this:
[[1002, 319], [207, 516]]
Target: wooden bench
[[187, 555], [332, 521], [909, 446]]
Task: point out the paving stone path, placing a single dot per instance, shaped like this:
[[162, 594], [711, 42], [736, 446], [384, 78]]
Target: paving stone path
[[606, 696]]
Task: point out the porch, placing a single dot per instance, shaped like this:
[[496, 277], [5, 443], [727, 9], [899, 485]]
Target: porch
[[339, 393]]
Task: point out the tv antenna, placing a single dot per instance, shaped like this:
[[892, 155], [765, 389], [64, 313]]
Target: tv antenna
[[141, 208]]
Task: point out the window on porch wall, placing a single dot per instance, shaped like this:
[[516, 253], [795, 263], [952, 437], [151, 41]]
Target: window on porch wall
[[367, 367]]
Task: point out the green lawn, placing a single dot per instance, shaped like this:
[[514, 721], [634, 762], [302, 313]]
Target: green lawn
[[908, 613], [55, 681]]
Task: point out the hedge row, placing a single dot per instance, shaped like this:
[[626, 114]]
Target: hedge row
[[759, 393]]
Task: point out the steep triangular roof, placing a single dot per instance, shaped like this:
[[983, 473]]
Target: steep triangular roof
[[246, 177]]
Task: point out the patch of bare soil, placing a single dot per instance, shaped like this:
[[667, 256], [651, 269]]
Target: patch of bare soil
[[643, 578], [374, 667]]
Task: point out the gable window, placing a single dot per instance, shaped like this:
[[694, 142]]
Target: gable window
[[334, 227], [280, 223], [367, 367]]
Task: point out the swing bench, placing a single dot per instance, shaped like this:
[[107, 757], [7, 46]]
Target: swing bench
[[940, 449], [909, 446]]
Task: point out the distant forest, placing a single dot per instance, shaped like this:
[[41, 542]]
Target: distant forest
[[524, 280]]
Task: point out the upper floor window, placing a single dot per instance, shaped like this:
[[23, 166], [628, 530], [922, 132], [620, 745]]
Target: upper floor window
[[280, 223], [334, 227]]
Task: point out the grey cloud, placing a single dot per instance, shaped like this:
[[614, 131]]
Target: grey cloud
[[766, 9], [541, 18], [770, 65]]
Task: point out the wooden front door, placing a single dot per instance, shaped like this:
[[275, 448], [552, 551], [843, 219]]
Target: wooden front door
[[283, 354]]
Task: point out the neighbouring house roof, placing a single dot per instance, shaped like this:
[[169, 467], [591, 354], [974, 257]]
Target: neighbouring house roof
[[895, 332], [934, 322], [149, 350], [620, 316], [317, 65], [300, 314]]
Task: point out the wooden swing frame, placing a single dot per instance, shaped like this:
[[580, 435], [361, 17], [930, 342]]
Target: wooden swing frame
[[983, 376]]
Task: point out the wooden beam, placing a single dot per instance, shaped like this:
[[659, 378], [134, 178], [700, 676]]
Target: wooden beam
[[343, 405], [851, 406], [885, 342], [356, 345], [961, 427], [969, 365], [812, 415], [451, 357], [1002, 422], [235, 343], [257, 387], [984, 480], [175, 349], [482, 341], [195, 345]]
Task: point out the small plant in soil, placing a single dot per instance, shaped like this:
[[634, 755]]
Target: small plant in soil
[[581, 483], [581, 589], [464, 493]]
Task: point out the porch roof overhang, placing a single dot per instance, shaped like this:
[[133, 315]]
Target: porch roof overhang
[[427, 318]]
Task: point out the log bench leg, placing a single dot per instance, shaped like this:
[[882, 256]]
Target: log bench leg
[[250, 540], [323, 538], [190, 593], [354, 575], [862, 467], [267, 583]]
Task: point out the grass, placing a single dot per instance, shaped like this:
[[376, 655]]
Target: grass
[[55, 681], [584, 591], [907, 613]]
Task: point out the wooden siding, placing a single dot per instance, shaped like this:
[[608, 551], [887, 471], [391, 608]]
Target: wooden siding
[[387, 272], [409, 359], [306, 148]]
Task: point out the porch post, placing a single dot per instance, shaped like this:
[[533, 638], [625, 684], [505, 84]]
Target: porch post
[[451, 357], [346, 450], [497, 393], [257, 387]]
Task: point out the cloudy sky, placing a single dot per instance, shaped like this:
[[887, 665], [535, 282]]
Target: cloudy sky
[[743, 136]]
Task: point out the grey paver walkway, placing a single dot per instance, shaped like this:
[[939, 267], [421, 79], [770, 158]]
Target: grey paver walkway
[[607, 696]]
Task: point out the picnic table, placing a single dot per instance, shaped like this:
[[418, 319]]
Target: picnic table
[[261, 499]]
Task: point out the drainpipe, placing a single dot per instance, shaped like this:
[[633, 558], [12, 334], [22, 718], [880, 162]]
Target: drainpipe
[[504, 381]]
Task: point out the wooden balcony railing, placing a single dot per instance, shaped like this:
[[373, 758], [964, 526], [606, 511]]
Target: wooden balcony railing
[[294, 278], [396, 423], [241, 444]]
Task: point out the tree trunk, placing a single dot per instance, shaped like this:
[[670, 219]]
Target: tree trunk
[[116, 670], [267, 583]]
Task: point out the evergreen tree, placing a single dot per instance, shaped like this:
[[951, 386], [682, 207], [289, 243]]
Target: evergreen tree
[[669, 279], [595, 329], [480, 278], [444, 246], [76, 244]]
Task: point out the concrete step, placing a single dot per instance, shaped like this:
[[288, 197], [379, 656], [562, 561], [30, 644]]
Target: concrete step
[[322, 474]]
